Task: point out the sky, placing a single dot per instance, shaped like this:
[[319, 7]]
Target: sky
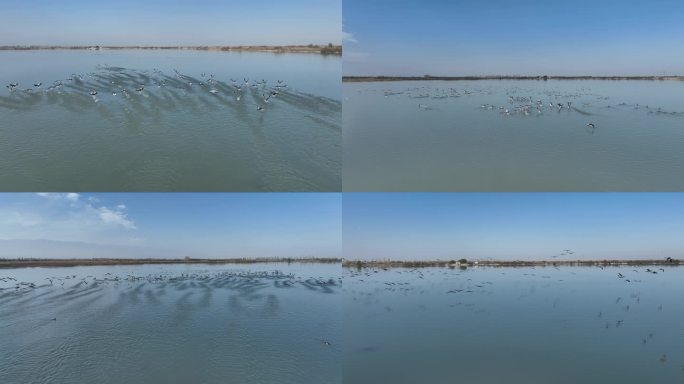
[[170, 22], [169, 225], [512, 226], [521, 37]]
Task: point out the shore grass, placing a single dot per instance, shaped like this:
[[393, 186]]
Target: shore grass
[[502, 263], [363, 79], [329, 49], [23, 263]]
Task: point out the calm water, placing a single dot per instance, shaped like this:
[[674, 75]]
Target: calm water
[[512, 136], [269, 323], [184, 131], [505, 325]]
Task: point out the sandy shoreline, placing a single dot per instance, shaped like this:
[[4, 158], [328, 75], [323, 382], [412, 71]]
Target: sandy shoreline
[[367, 79], [25, 263], [503, 263]]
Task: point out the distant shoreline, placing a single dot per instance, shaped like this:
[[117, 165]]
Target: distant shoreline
[[25, 263], [367, 79], [329, 49], [502, 263]]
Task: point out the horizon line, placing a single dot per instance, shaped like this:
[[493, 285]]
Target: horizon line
[[371, 78], [104, 46], [8, 263], [464, 263]]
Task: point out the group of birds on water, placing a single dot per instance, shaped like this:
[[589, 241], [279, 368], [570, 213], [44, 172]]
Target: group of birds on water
[[245, 286], [280, 280], [367, 282], [546, 101], [206, 82]]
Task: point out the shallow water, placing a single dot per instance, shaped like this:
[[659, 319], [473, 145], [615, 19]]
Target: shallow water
[[513, 325], [495, 136], [185, 130], [266, 323]]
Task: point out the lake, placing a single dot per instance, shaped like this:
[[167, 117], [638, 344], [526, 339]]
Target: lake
[[167, 120], [260, 323], [509, 135], [514, 325]]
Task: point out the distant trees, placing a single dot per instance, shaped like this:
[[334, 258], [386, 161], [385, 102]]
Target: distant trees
[[331, 49]]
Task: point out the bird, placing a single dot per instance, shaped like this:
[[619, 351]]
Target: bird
[[260, 108], [140, 89], [37, 84], [93, 93], [591, 125]]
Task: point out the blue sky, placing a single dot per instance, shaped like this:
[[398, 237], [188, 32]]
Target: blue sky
[[518, 226], [169, 22], [170, 225], [459, 37]]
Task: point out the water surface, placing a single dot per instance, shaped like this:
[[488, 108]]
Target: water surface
[[513, 325], [270, 323], [169, 121], [513, 136]]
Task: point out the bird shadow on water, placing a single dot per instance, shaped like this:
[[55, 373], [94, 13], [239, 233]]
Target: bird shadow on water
[[141, 95]]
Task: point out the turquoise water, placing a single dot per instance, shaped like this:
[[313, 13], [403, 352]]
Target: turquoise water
[[513, 325], [512, 136], [178, 323], [169, 121]]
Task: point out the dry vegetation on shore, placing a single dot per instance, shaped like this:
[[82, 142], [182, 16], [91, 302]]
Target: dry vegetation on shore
[[362, 79], [329, 49], [463, 263], [21, 263]]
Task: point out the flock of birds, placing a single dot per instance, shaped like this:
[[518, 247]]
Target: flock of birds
[[184, 280], [246, 286], [128, 83], [547, 101], [368, 282]]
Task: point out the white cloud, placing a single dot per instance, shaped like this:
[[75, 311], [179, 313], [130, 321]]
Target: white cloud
[[67, 217], [348, 37], [21, 219], [116, 217], [73, 197]]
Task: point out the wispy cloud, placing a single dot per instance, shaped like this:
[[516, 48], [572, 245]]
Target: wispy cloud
[[66, 217], [73, 197], [116, 216], [348, 37]]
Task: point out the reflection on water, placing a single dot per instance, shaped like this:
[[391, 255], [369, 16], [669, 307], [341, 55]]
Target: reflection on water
[[514, 325], [513, 136], [159, 324], [186, 121]]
